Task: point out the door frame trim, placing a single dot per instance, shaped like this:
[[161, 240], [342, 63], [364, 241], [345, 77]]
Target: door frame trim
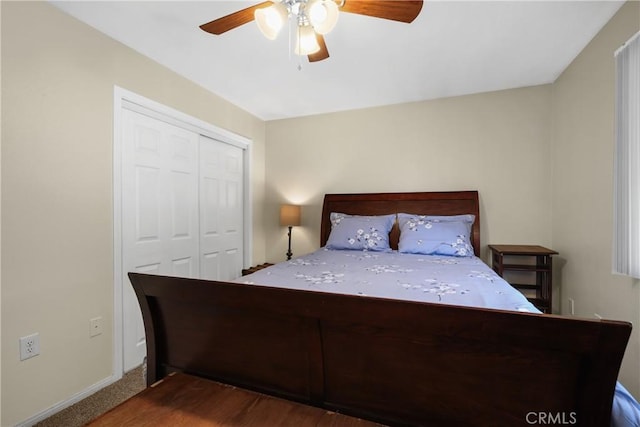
[[125, 99]]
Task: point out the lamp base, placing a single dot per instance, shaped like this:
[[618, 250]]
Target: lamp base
[[289, 253]]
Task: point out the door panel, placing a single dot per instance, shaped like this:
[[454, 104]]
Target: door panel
[[147, 202], [210, 265], [209, 209]]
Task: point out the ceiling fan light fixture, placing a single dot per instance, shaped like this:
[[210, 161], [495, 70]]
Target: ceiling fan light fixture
[[307, 42], [322, 14], [312, 19], [271, 19]]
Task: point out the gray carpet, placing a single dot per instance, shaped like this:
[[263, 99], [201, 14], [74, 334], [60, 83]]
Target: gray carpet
[[98, 403]]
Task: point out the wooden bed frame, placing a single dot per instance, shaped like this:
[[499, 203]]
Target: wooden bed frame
[[394, 362]]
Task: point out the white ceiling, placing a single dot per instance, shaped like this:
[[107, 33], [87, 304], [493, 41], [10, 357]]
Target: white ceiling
[[452, 48]]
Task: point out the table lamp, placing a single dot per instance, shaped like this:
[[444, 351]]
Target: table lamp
[[289, 217]]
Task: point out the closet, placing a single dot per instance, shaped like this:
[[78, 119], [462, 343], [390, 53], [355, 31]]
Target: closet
[[182, 204]]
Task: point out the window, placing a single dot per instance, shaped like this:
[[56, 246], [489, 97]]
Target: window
[[626, 238]]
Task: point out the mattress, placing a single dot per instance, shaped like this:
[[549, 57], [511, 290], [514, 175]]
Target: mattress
[[464, 281]]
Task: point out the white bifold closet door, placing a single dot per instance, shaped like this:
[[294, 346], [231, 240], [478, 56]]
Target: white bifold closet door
[[182, 212]]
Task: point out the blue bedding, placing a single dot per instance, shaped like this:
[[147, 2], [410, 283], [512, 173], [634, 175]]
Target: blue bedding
[[465, 281], [625, 411]]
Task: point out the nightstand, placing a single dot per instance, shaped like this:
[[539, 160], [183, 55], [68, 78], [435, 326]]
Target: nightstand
[[255, 268], [527, 260]]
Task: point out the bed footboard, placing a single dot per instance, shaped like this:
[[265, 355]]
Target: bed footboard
[[394, 362]]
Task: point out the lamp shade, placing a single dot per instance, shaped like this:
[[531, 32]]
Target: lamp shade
[[271, 19], [289, 215], [307, 42], [323, 15]]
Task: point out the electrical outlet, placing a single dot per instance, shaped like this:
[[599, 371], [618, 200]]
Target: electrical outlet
[[572, 306], [95, 326], [29, 346]]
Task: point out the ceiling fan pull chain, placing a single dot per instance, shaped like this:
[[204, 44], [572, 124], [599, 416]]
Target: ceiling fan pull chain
[[289, 43], [293, 23], [298, 41]]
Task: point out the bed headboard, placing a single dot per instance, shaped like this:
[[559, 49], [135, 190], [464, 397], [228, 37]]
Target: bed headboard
[[423, 203]]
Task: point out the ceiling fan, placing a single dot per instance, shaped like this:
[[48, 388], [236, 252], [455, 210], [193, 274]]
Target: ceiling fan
[[313, 18]]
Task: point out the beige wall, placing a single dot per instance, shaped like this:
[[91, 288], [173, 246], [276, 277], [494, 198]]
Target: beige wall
[[582, 204], [58, 78], [497, 143]]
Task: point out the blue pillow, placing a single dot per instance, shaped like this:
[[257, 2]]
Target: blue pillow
[[368, 233], [435, 235]]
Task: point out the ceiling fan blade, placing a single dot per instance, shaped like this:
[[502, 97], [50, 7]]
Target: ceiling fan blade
[[229, 22], [395, 10], [323, 53]]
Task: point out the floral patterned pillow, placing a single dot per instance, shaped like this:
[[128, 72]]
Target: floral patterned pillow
[[435, 235], [363, 233]]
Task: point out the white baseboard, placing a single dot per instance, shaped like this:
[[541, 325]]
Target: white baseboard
[[66, 403]]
